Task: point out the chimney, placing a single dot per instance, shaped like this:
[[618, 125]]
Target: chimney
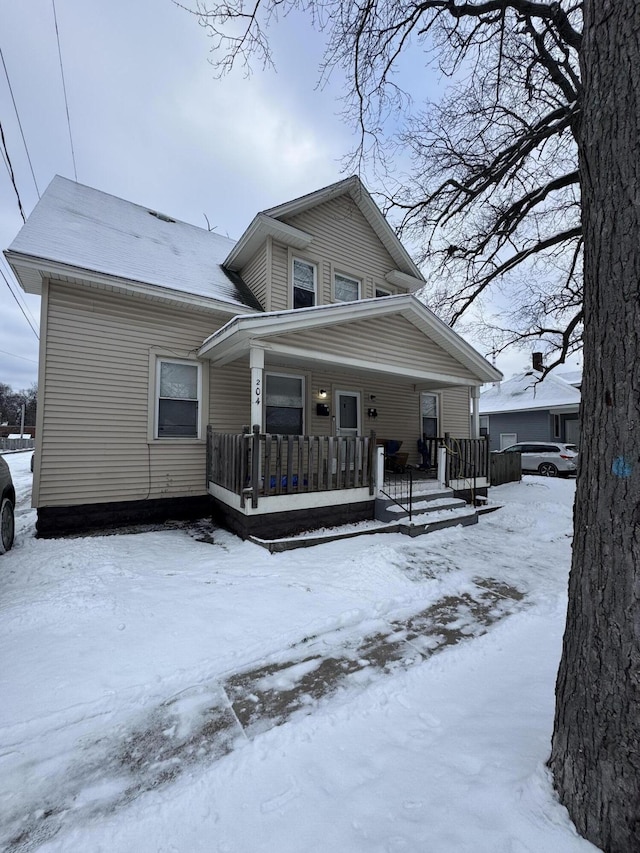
[[538, 363]]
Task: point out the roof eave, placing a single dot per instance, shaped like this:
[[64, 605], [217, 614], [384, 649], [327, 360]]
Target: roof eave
[[27, 267], [261, 227]]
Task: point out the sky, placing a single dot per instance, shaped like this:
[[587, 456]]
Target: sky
[[151, 123]]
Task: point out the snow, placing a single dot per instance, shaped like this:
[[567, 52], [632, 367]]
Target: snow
[[85, 228], [528, 391], [145, 683]]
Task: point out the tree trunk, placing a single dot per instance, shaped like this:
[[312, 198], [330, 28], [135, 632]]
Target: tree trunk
[[595, 754]]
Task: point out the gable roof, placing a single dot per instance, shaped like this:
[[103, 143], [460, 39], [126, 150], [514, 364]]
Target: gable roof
[[236, 337], [88, 230], [269, 222], [528, 391]]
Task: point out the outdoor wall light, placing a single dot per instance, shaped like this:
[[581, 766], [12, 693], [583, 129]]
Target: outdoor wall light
[[322, 394]]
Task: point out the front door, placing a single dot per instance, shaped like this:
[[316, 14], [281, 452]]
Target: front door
[[348, 412]]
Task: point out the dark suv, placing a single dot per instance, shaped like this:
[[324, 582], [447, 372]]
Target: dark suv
[[7, 506]]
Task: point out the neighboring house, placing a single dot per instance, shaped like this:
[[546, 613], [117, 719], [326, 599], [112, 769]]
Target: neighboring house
[[162, 343], [529, 408]]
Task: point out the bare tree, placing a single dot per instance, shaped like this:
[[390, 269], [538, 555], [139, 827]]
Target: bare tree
[[533, 156], [491, 196]]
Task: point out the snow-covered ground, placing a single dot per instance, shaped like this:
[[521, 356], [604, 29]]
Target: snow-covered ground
[[121, 656]]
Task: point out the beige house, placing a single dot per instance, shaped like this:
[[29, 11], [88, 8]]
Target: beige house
[[180, 370]]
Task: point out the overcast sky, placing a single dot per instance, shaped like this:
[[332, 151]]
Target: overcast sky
[[151, 124]]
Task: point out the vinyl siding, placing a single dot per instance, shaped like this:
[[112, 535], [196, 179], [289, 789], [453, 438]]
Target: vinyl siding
[[397, 405], [96, 378], [343, 241], [254, 275], [456, 412], [392, 340], [528, 426]]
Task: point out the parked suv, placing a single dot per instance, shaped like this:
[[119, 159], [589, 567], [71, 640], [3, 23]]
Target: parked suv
[[549, 458], [7, 504]]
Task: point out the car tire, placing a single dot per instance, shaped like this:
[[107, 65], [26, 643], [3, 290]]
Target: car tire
[[548, 469], [7, 525]]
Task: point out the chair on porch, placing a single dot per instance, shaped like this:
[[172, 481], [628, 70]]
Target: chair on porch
[[394, 461]]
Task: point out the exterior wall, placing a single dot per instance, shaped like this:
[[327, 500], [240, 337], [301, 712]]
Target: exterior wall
[[455, 411], [528, 426], [93, 441], [343, 241], [254, 275], [377, 341]]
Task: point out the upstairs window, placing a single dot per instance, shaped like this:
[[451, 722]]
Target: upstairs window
[[345, 288], [382, 291], [179, 392], [304, 283]]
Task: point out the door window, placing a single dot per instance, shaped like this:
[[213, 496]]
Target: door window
[[348, 410]]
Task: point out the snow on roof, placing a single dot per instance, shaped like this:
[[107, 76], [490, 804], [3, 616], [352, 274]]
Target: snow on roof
[[573, 377], [82, 227], [528, 391]]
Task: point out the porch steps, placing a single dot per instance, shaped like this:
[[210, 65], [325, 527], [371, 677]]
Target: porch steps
[[434, 510]]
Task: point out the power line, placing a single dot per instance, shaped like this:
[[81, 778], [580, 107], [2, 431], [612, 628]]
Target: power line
[[7, 163], [64, 89], [21, 357], [3, 261], [15, 107], [24, 313]]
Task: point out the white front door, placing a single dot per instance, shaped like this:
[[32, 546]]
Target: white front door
[[348, 412]]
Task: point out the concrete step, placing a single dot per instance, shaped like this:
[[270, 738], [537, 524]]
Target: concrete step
[[386, 510]]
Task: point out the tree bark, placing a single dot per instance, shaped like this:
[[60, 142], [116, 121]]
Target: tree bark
[[595, 755]]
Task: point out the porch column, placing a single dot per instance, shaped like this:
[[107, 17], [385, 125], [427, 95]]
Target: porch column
[[475, 411], [256, 362]]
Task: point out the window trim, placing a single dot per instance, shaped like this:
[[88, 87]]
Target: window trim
[[303, 378], [156, 357], [438, 397], [349, 277], [314, 265]]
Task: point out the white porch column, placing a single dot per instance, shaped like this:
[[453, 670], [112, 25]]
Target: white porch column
[[256, 362], [475, 411]]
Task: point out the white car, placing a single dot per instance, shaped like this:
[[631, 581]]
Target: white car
[[549, 458]]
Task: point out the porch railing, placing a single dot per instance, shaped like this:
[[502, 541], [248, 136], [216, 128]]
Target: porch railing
[[466, 459], [255, 465]]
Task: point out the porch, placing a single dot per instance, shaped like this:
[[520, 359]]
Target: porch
[[289, 483]]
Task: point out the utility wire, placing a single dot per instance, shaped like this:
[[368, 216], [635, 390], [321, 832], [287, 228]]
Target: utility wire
[[21, 357], [8, 269], [64, 89], [19, 305], [15, 107], [7, 162]]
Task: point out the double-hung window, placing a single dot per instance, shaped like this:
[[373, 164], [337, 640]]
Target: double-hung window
[[284, 404], [178, 398], [346, 288], [304, 283]]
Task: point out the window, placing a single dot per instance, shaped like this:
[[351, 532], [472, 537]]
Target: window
[[178, 397], [429, 414], [484, 425], [304, 283], [381, 291], [284, 404], [345, 288]]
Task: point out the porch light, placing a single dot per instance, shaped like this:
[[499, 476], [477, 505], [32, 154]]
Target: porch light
[[322, 394]]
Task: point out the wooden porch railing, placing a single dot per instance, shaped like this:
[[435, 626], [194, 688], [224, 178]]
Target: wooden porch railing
[[467, 459], [255, 465]]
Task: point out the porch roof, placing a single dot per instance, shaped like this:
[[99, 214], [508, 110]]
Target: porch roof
[[271, 331]]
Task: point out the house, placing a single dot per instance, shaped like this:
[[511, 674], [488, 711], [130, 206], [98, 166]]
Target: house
[[181, 370], [530, 408]]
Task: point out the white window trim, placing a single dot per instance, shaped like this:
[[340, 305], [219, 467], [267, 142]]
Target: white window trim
[[156, 356], [303, 377], [350, 277], [311, 263], [439, 416]]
